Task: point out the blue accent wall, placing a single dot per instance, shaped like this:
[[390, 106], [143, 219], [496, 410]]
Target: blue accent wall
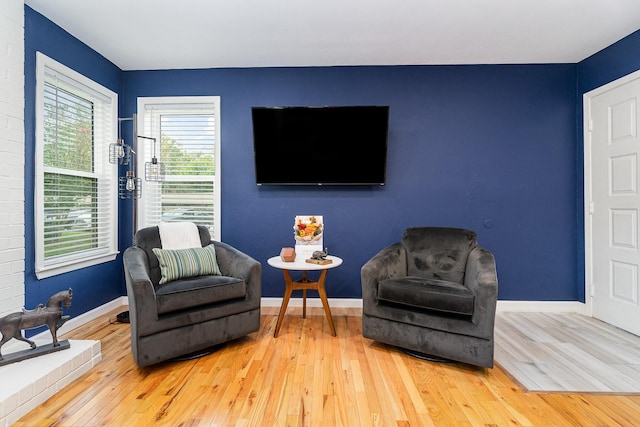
[[491, 148], [494, 148], [94, 286], [609, 64]]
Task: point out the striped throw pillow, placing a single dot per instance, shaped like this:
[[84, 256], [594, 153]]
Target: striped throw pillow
[[183, 263]]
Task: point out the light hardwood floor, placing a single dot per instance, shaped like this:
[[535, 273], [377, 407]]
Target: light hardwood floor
[[306, 377]]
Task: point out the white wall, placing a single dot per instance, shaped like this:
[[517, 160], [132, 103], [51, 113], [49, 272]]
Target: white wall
[[11, 156]]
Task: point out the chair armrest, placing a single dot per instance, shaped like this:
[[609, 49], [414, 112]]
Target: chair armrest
[[389, 262], [235, 263], [481, 278], [143, 310]]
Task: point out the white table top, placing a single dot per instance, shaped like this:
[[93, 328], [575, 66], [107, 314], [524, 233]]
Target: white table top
[[300, 264]]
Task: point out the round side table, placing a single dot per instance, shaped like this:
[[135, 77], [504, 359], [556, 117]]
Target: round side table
[[304, 284]]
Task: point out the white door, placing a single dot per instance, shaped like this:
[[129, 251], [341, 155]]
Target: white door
[[613, 205]]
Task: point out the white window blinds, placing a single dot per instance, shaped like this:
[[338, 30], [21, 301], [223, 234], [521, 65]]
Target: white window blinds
[[75, 197], [188, 133]]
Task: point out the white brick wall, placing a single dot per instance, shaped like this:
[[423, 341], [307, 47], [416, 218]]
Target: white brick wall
[[29, 383], [11, 156]]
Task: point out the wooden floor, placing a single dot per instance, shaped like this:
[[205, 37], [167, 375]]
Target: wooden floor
[[306, 377], [567, 352]]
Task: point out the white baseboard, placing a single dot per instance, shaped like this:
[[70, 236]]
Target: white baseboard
[[313, 302], [503, 306], [542, 306], [84, 318]]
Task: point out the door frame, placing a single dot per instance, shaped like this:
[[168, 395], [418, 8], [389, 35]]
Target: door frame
[[588, 200]]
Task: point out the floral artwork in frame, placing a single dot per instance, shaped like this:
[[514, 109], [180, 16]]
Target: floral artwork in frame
[[308, 230]]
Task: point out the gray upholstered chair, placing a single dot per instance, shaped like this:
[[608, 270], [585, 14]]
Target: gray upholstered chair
[[433, 293], [188, 315]]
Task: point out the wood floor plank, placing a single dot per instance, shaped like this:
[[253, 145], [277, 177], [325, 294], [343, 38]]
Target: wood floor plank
[[567, 352], [306, 377]]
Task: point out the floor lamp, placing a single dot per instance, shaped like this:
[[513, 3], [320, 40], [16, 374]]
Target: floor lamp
[[130, 185]]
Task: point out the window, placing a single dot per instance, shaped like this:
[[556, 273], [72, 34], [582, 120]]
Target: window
[[75, 185], [187, 131]]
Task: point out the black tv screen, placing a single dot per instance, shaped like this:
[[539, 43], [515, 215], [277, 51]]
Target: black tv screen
[[344, 145]]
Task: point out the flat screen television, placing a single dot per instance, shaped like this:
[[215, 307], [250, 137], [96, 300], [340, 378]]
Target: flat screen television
[[344, 145]]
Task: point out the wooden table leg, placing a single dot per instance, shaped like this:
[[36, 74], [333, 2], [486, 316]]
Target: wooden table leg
[[323, 297], [304, 295], [285, 300], [304, 284]]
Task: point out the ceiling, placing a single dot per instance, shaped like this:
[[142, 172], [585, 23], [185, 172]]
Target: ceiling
[[177, 34]]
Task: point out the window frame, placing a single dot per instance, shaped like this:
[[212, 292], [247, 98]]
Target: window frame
[[176, 104], [104, 172]]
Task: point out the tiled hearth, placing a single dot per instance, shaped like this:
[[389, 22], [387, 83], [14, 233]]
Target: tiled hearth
[[25, 385]]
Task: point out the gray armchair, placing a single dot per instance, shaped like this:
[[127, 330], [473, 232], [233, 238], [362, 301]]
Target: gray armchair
[[188, 315], [433, 293]]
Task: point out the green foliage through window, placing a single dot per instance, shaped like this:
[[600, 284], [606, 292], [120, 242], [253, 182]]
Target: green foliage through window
[[187, 149], [68, 130], [70, 198]]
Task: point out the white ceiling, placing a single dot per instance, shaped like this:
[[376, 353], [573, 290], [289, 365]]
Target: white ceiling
[[175, 34]]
